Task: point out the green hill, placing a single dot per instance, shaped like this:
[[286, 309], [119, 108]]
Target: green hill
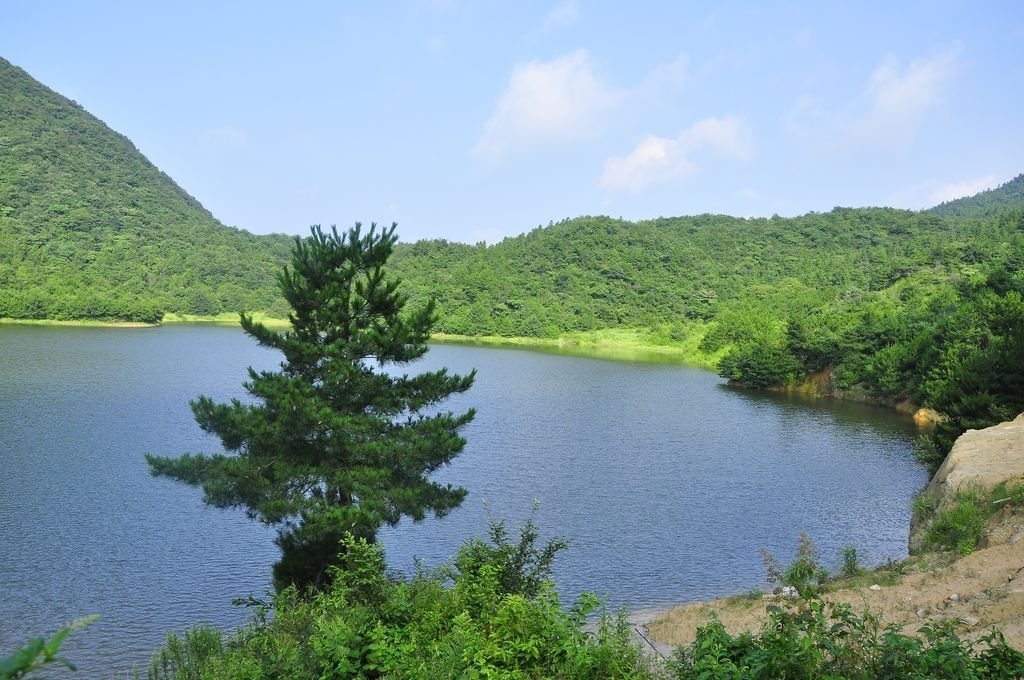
[[1009, 194], [90, 229], [886, 304], [590, 273]]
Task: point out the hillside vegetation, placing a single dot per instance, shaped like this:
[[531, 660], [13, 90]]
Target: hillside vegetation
[[879, 303], [872, 303], [90, 229]]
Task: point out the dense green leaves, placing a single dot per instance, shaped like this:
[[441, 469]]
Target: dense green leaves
[[90, 229], [885, 303], [815, 639], [463, 621], [333, 443], [458, 622]]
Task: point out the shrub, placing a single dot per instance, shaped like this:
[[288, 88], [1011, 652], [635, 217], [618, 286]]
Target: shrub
[[494, 614], [961, 526], [804, 573], [814, 639], [851, 562]]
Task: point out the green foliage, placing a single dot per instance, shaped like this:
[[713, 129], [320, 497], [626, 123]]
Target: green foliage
[[890, 304], [804, 573], [815, 639], [760, 366], [520, 568], [367, 624], [961, 526], [851, 562], [40, 652], [455, 623], [333, 443], [90, 229], [973, 366], [984, 202], [183, 657]]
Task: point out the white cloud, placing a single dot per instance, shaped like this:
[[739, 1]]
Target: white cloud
[[659, 160], [898, 99], [887, 113], [665, 77], [548, 102], [954, 190], [562, 14]]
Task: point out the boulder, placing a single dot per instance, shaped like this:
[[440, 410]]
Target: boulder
[[981, 459]]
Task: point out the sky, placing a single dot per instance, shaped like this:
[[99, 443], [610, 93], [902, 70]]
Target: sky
[[472, 120]]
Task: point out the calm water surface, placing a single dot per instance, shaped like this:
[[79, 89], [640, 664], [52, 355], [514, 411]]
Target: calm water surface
[[665, 481]]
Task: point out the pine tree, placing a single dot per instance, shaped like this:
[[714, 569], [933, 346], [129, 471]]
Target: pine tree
[[333, 443]]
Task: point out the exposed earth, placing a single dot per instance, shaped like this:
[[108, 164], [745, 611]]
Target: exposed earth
[[979, 591]]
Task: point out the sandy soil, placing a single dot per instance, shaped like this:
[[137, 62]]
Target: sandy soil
[[979, 591]]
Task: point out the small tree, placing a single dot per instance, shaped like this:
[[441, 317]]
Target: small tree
[[332, 444]]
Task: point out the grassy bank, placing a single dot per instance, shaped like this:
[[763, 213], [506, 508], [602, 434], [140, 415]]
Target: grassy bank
[[617, 344], [82, 323], [620, 344]]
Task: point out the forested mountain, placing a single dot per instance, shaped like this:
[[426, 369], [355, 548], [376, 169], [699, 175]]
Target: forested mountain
[[882, 304], [1011, 193], [889, 303], [597, 272], [90, 229]]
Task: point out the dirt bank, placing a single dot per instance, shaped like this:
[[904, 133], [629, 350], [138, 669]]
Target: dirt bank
[[988, 586], [979, 591]]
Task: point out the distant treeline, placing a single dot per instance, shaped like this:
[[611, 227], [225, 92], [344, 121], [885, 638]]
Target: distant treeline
[[890, 304], [893, 303]]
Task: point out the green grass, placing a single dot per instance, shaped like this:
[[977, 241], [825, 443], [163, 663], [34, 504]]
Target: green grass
[[621, 344], [961, 526]]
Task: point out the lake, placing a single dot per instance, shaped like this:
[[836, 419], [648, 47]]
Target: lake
[[665, 481]]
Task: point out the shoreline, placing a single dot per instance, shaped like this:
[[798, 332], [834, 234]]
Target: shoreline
[[625, 344]]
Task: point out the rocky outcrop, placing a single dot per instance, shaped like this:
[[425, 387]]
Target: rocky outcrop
[[982, 459], [822, 384]]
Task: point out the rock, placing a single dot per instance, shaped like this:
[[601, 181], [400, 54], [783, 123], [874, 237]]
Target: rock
[[971, 621], [922, 613], [955, 598], [926, 416], [875, 586], [789, 592], [981, 458]]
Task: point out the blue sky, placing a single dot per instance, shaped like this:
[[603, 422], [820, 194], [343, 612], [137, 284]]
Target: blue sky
[[473, 121]]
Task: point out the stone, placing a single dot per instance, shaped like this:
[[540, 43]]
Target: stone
[[981, 459], [875, 586]]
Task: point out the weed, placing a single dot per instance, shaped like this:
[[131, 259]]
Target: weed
[[851, 562], [804, 573]]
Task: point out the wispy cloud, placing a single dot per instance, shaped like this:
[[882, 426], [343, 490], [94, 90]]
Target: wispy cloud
[[954, 190], [899, 98], [888, 111], [556, 101], [564, 13], [660, 160]]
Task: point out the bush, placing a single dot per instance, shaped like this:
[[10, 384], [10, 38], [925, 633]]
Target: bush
[[494, 614], [961, 526], [851, 562], [804, 573], [814, 639]]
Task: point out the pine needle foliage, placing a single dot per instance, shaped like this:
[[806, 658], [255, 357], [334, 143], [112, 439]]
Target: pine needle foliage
[[335, 442]]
